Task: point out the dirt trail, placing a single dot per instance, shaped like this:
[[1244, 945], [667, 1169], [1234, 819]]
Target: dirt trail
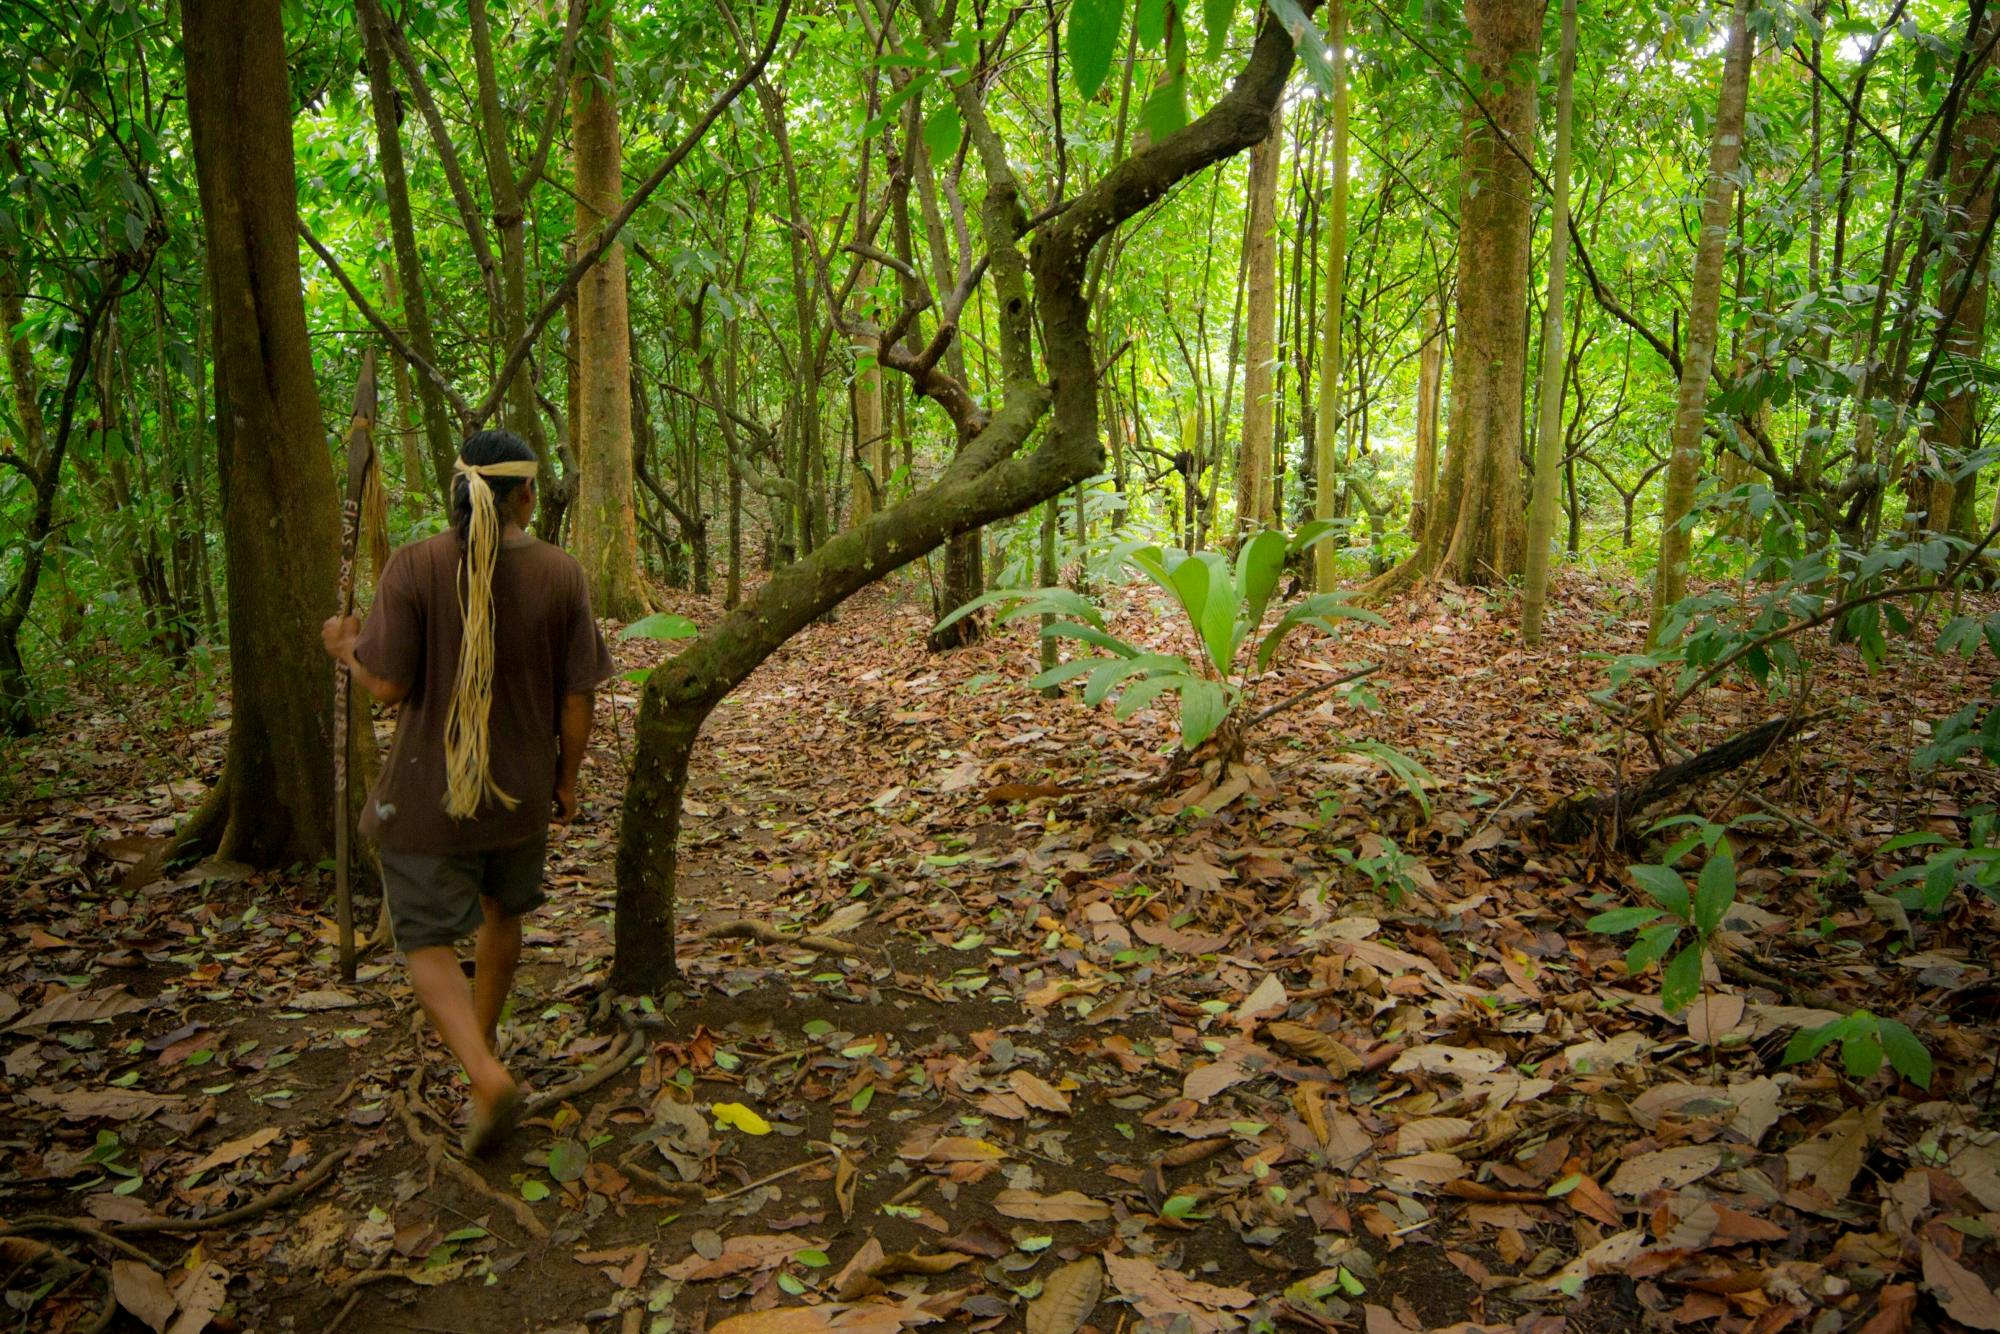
[[1286, 1050]]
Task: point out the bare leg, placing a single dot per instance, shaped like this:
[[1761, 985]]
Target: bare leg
[[440, 987], [499, 950]]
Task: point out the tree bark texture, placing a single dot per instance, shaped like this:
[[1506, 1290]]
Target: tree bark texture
[[1704, 304], [1549, 441], [1253, 458], [604, 531], [281, 527], [1475, 529]]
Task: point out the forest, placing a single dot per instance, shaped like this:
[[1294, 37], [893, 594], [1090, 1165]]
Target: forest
[[1278, 665]]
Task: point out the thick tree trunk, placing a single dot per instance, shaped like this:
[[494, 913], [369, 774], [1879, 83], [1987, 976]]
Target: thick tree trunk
[[1967, 263], [274, 805], [1253, 457], [1326, 420], [1549, 441], [1474, 532], [1704, 303], [440, 437], [604, 532]]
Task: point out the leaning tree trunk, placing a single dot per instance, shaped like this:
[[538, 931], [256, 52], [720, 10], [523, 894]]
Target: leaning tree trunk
[[1548, 444], [281, 524], [1704, 304], [1474, 531], [989, 478], [1260, 243], [604, 532]]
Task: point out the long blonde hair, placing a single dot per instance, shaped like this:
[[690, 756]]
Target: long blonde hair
[[467, 762]]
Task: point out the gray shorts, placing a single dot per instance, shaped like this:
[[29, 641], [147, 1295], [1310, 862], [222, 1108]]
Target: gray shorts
[[435, 900]]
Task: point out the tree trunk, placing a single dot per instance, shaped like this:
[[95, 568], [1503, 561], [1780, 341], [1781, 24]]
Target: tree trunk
[[1474, 532], [1704, 303], [440, 438], [404, 421], [603, 533], [281, 526], [1549, 443], [1253, 458], [871, 444], [1430, 384], [1967, 263], [510, 221], [1326, 421]]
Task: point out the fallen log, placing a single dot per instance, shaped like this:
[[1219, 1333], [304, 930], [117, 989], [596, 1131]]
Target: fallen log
[[1579, 816]]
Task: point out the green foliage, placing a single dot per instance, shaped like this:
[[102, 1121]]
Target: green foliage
[[1696, 912], [1223, 604], [1865, 1041]]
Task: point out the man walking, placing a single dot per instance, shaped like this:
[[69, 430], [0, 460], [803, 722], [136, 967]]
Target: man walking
[[484, 635]]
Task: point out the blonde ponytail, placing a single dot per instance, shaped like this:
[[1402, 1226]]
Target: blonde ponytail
[[467, 765]]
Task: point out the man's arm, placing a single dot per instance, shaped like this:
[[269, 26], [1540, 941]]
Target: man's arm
[[575, 734], [339, 634]]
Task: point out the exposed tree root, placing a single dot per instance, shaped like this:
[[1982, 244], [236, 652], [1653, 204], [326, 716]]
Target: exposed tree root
[[743, 928], [460, 1171], [263, 1204], [612, 1067]]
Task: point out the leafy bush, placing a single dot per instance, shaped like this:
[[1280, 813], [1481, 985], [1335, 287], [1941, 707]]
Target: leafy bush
[[1223, 604], [1699, 912]]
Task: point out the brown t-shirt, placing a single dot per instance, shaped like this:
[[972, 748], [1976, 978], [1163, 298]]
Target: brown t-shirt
[[545, 645]]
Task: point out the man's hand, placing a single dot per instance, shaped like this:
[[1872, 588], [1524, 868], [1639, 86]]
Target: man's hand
[[339, 634], [565, 802]]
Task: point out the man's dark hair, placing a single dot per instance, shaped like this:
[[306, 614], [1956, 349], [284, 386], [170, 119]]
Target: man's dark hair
[[484, 447]]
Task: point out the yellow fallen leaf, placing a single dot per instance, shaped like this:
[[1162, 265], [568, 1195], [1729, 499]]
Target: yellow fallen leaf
[[741, 1117]]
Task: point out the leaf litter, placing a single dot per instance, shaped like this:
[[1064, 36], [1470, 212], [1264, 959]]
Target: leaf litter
[[1094, 1051]]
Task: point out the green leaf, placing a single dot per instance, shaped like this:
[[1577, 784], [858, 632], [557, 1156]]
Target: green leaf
[[567, 1159], [1810, 1042], [1216, 18], [1861, 1054], [1906, 1051], [1064, 672], [1166, 110], [1681, 983], [1414, 777], [942, 131], [1143, 692], [1668, 889], [1204, 704], [1715, 890], [1315, 610], [1620, 920], [1259, 566], [1307, 38], [1651, 946], [1107, 677], [1091, 40], [1091, 635], [660, 625], [1152, 22]]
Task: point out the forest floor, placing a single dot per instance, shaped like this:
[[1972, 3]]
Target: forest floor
[[1091, 1049]]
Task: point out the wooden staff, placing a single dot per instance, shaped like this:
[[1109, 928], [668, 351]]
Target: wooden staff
[[360, 461]]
